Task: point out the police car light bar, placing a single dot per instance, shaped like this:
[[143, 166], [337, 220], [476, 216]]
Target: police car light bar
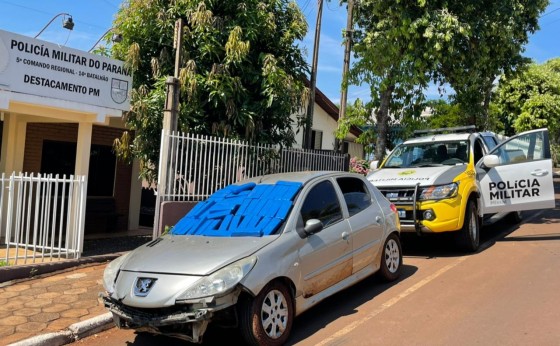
[[470, 129]]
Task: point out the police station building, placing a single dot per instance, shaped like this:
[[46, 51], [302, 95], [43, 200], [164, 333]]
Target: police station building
[[60, 110]]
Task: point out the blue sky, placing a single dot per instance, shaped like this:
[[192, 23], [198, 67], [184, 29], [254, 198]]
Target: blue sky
[[93, 18]]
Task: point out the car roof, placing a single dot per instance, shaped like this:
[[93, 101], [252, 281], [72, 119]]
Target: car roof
[[302, 177]]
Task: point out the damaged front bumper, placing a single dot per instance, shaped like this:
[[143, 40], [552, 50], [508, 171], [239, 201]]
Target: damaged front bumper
[[186, 320]]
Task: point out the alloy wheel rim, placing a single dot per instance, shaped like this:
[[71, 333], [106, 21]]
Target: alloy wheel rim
[[274, 314], [392, 258]]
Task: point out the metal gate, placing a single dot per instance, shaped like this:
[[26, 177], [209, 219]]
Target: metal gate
[[200, 165], [41, 217]]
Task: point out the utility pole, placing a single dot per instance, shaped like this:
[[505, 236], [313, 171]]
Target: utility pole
[[170, 113], [310, 107], [172, 97], [345, 68]]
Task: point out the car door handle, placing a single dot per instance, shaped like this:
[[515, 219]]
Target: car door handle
[[539, 172], [345, 235]]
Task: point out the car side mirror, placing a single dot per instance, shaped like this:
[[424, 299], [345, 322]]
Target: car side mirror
[[312, 226], [373, 165], [491, 161]]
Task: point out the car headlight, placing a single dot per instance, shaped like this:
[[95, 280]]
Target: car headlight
[[111, 272], [220, 281], [439, 192]]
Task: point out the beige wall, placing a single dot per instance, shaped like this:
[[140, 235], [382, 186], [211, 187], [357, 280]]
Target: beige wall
[[325, 123], [28, 120]]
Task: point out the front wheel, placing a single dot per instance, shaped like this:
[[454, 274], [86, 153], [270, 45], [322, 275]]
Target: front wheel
[[391, 258], [267, 319], [469, 236]]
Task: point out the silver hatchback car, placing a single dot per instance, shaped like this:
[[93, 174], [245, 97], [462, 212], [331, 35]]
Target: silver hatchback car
[[255, 255]]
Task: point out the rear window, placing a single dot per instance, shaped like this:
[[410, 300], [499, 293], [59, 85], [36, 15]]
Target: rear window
[[355, 194]]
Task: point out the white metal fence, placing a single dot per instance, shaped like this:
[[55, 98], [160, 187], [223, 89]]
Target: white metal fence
[[201, 164], [41, 217]]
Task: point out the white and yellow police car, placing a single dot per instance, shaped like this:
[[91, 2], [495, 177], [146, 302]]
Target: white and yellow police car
[[455, 179]]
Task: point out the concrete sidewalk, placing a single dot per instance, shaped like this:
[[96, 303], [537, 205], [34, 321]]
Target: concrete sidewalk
[[56, 303], [56, 308]]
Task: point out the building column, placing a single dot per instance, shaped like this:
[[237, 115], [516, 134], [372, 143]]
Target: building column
[[83, 149], [13, 144], [12, 152]]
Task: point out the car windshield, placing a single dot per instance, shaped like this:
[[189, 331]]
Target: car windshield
[[428, 154], [250, 210]]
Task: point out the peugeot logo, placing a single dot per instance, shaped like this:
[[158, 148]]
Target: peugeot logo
[[142, 286]]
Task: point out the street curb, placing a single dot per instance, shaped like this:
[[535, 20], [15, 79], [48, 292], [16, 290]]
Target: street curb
[[72, 334], [94, 325], [30, 271], [50, 339]]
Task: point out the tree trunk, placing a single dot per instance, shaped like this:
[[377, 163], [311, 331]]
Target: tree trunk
[[486, 106], [382, 117]]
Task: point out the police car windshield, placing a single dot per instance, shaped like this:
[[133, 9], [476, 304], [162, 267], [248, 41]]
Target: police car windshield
[[429, 154]]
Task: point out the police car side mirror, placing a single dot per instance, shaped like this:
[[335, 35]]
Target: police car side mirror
[[491, 161], [373, 165]]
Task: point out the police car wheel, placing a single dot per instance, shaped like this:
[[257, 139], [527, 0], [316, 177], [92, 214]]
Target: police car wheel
[[515, 217], [469, 236]]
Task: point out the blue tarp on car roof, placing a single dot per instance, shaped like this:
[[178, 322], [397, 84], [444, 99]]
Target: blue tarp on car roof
[[240, 210]]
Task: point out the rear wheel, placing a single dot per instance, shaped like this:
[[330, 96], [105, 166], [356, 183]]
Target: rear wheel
[[515, 217], [391, 258], [267, 319], [469, 236]]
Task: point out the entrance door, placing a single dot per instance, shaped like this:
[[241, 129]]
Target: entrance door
[[517, 174]]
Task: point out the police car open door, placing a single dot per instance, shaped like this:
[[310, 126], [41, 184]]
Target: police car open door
[[517, 174]]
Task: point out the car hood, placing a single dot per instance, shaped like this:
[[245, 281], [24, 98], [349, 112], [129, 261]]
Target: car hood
[[191, 255], [414, 175]]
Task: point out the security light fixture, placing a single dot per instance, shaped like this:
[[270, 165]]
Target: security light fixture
[[67, 22], [115, 38]]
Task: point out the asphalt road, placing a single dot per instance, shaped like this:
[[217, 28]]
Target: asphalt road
[[505, 294]]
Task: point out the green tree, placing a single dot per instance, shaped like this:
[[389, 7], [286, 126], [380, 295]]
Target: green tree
[[491, 45], [531, 99], [387, 61], [444, 114], [402, 46], [241, 75], [451, 114]]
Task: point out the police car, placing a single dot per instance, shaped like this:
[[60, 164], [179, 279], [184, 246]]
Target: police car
[[455, 179]]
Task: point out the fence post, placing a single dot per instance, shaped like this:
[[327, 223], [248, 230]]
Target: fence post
[[346, 163], [82, 213]]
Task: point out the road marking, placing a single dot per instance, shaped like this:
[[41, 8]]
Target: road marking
[[390, 302]]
